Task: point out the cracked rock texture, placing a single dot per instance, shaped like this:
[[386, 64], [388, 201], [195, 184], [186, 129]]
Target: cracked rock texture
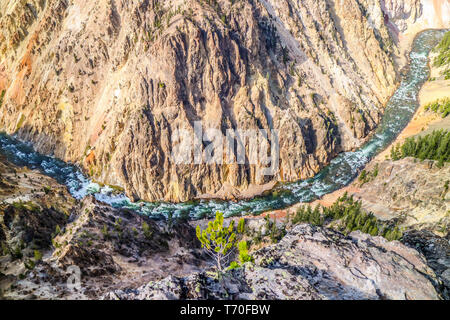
[[309, 263], [111, 248], [105, 83], [412, 191], [437, 252], [123, 255]]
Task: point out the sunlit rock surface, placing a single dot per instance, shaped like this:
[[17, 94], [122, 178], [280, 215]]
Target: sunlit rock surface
[[105, 83], [309, 263]]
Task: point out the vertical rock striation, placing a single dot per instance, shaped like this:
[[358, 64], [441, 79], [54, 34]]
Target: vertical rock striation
[[106, 83]]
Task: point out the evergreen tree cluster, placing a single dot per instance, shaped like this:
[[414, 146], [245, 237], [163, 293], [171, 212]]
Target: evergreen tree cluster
[[346, 215], [275, 233], [367, 176], [443, 49], [434, 146], [440, 106]]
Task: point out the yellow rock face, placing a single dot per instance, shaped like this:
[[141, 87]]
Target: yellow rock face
[[120, 78]]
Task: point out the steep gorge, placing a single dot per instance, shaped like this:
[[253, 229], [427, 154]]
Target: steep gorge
[[105, 84]]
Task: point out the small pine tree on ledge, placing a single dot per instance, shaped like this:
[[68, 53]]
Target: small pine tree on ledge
[[217, 240]]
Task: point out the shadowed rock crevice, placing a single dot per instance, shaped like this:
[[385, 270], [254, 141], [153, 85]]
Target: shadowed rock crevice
[[104, 84]]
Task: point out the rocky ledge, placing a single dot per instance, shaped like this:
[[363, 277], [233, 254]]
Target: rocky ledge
[[308, 263], [45, 235], [414, 191], [105, 84], [437, 252]]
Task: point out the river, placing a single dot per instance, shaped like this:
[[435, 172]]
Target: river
[[338, 174]]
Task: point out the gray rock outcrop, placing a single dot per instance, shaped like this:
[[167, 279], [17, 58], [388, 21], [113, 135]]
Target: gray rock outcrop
[[105, 83], [309, 263]]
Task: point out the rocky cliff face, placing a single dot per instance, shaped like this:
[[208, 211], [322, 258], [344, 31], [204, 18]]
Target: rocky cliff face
[[405, 18], [437, 252], [106, 83], [123, 255], [414, 192], [46, 235]]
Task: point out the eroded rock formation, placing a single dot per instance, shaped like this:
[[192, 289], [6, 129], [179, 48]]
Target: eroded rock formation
[[309, 263], [46, 235], [414, 192], [105, 83]]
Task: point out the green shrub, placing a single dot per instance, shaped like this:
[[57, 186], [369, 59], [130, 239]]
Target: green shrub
[[16, 253], [307, 214], [446, 186], [105, 232], [447, 74], [241, 226], [47, 189], [392, 234], [275, 233], [57, 231], [434, 146], [29, 264], [441, 106], [443, 50], [363, 176], [146, 229], [2, 96], [243, 256], [37, 255], [118, 225], [346, 215], [25, 206], [367, 176]]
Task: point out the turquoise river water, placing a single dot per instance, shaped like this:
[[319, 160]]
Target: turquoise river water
[[338, 174]]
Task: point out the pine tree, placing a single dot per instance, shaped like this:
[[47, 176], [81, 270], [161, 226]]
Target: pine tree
[[217, 240]]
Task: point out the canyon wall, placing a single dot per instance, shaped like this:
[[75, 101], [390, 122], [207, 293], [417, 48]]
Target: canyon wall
[[106, 83]]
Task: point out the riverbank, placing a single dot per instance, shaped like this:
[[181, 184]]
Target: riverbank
[[423, 122], [339, 173]]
